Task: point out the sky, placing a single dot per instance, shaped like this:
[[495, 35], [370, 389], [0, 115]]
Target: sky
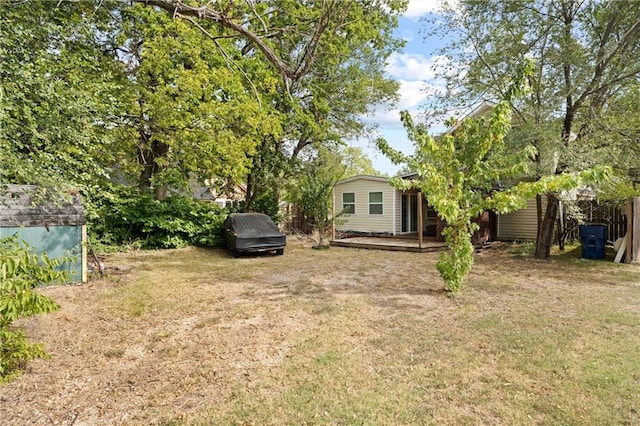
[[412, 68]]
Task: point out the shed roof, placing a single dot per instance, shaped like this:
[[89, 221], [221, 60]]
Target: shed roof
[[20, 206], [364, 177]]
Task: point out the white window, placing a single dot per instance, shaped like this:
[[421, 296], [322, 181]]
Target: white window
[[375, 203], [349, 202]]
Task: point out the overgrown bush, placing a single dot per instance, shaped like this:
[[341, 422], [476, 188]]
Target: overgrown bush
[[124, 217], [21, 272], [267, 203]]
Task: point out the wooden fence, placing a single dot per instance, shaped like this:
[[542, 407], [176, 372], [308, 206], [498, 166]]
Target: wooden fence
[[610, 215], [633, 231]]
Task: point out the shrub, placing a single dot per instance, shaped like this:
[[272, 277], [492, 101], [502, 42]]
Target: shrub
[[21, 272], [127, 218], [268, 204]]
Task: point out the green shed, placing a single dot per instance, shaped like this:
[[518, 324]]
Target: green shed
[[59, 229]]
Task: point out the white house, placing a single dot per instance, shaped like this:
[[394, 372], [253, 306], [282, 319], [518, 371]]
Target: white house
[[370, 205]]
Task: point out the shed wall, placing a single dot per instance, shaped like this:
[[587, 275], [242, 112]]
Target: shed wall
[[362, 221], [56, 241]]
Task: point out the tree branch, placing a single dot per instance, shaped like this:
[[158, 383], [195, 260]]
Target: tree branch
[[604, 60], [292, 72]]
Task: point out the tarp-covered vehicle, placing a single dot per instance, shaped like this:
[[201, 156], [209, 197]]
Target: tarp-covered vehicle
[[253, 232]]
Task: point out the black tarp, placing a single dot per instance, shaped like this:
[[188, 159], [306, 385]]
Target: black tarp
[[253, 232]]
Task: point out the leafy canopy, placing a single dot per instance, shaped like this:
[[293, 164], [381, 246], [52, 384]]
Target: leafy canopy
[[459, 173], [54, 124], [585, 56]]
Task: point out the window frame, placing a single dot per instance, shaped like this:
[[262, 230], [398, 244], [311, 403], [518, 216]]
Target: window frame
[[349, 203], [376, 203]]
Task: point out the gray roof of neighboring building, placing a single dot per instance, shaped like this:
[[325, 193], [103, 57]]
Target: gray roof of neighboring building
[[20, 205]]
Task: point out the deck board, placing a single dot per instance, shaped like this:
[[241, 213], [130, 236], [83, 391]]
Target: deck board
[[395, 244]]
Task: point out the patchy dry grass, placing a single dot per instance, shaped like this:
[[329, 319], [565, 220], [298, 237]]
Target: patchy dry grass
[[340, 336]]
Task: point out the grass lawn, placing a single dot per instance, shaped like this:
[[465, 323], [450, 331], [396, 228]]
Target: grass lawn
[[340, 336]]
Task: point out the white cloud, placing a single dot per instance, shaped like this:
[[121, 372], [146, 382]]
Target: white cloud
[[407, 35], [410, 66], [412, 94], [388, 119], [414, 66], [418, 8]]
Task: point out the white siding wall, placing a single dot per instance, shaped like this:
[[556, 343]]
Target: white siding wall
[[362, 221], [521, 224]]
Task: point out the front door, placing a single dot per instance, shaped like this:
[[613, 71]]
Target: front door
[[409, 213]]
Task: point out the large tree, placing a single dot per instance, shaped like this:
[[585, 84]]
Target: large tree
[[585, 53], [190, 114], [328, 57], [232, 90], [267, 25], [459, 171], [54, 124]]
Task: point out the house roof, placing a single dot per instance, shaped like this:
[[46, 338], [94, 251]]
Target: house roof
[[480, 110], [410, 175], [364, 177]]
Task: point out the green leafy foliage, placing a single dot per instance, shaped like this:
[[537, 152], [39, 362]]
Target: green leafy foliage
[[581, 111], [190, 113], [327, 104], [267, 202], [15, 353], [21, 272], [458, 172], [92, 93], [357, 162], [311, 191], [128, 218], [454, 266], [57, 94]]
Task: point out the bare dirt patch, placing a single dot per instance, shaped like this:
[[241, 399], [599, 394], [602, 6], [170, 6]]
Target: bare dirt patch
[[340, 336]]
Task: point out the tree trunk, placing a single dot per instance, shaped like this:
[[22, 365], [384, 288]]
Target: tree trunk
[[321, 229], [562, 227], [144, 181], [248, 195], [545, 239], [147, 158], [160, 151], [160, 192], [538, 215]]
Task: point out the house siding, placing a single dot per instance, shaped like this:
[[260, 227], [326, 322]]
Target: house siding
[[521, 225], [362, 221]]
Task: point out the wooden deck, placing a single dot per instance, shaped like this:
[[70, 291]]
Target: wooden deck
[[388, 243]]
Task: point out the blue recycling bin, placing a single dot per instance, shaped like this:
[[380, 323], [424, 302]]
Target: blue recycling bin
[[593, 238]]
